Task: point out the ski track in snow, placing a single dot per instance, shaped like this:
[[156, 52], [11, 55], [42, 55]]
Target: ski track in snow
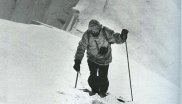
[[80, 96]]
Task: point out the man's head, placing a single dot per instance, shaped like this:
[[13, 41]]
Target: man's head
[[94, 27]]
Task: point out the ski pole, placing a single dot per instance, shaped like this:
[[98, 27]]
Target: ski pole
[[76, 79], [129, 71]]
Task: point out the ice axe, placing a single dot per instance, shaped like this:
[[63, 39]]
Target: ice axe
[[78, 72]]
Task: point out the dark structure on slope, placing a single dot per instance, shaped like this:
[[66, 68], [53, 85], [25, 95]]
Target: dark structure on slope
[[56, 13]]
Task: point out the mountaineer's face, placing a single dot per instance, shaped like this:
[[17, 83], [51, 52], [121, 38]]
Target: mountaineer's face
[[95, 31]]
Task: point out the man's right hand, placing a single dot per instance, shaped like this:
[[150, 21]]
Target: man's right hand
[[77, 65]]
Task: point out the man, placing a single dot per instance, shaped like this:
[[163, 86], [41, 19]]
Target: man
[[97, 41]]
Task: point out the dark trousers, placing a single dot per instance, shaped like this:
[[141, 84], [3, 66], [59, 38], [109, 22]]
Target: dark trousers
[[98, 83]]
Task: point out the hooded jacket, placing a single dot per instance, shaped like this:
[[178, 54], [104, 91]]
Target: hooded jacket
[[92, 44]]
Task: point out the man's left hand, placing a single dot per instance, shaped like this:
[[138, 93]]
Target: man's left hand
[[124, 34]]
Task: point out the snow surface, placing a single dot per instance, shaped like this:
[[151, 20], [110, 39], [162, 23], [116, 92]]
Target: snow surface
[[36, 68]]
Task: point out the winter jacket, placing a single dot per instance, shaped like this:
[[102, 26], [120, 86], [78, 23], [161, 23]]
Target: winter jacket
[[93, 44]]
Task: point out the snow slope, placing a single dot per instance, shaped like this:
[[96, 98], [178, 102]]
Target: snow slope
[[32, 62], [154, 27], [36, 68]]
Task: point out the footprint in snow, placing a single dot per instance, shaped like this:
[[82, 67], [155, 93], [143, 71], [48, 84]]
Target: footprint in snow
[[97, 102]]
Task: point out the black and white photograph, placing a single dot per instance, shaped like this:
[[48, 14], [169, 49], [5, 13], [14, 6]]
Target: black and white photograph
[[90, 52]]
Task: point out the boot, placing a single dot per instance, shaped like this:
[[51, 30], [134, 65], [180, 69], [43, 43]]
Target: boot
[[102, 95], [91, 93]]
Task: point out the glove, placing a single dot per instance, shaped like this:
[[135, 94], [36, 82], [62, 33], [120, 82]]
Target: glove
[[77, 65], [124, 34]]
